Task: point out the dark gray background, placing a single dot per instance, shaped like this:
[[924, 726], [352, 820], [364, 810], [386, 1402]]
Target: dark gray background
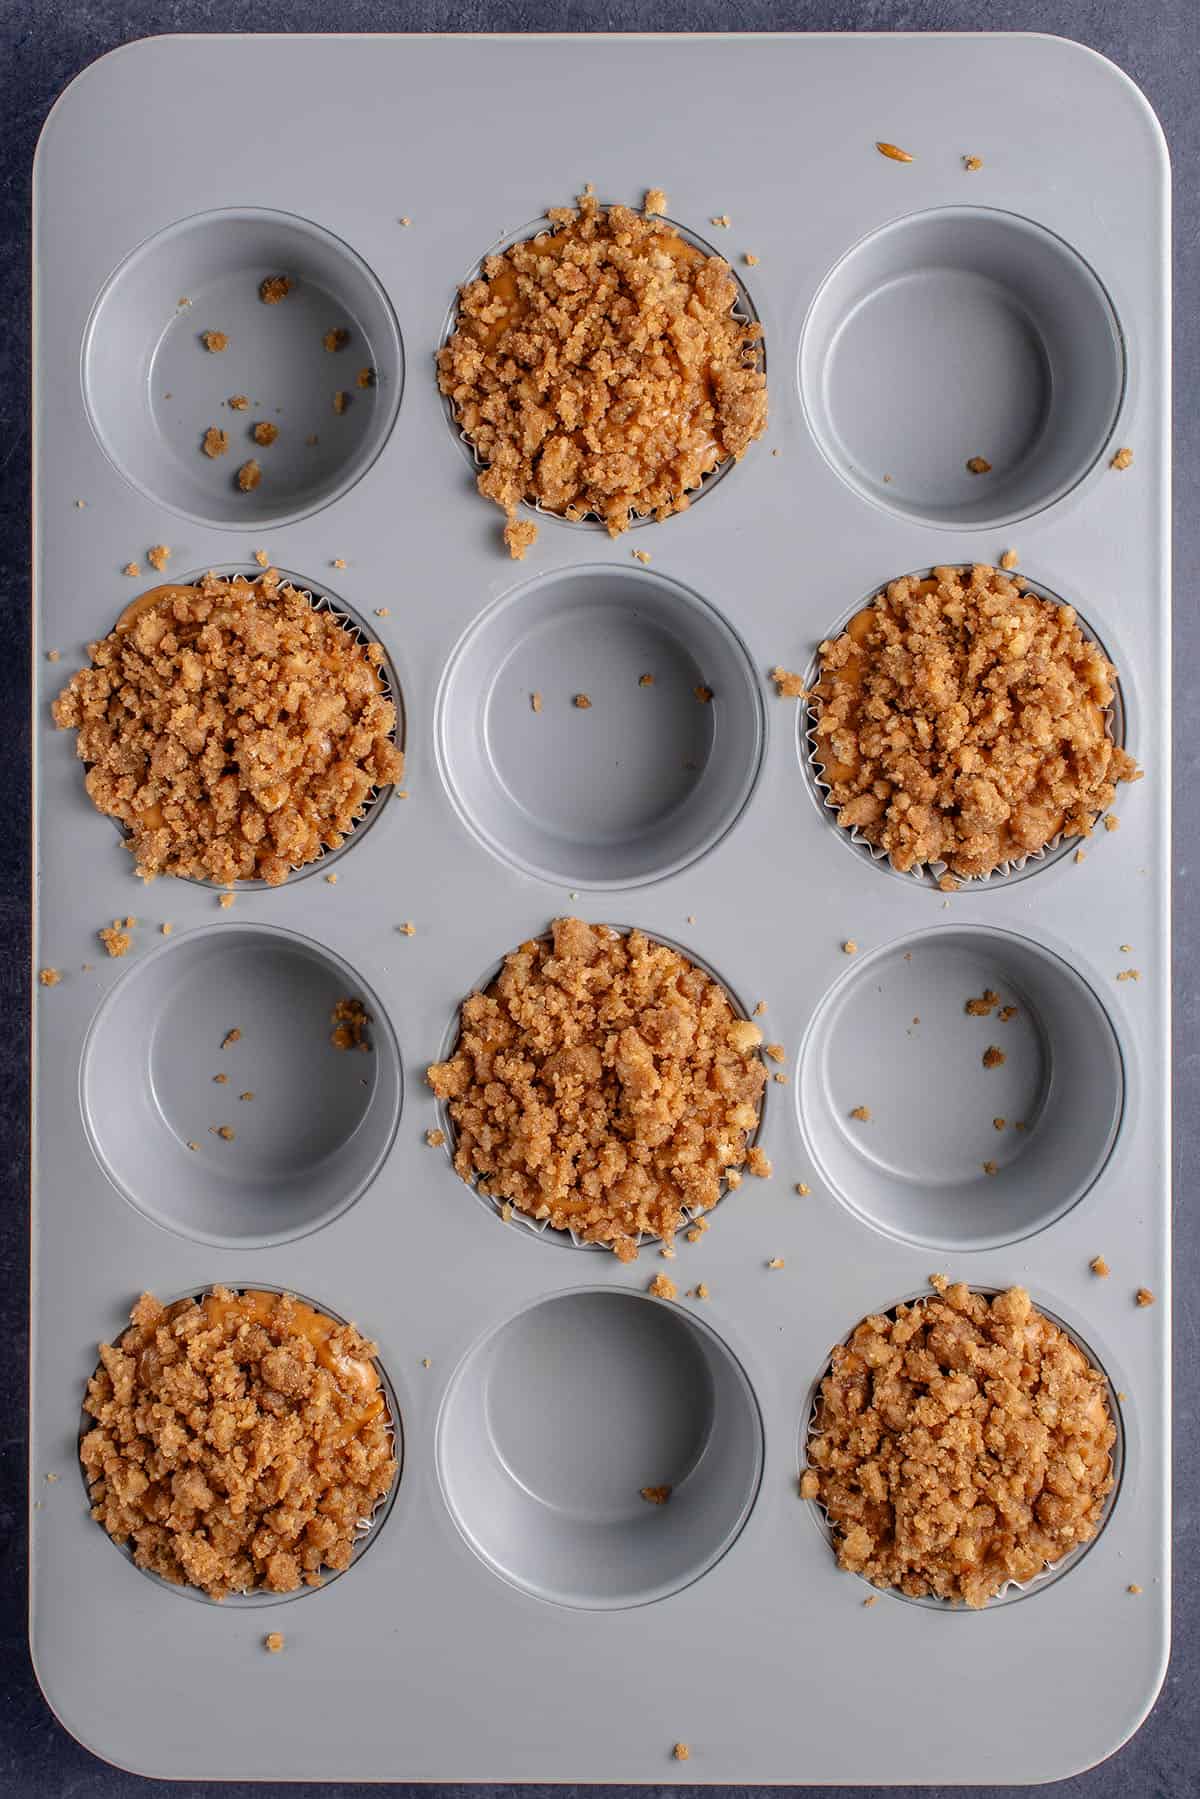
[[43, 43]]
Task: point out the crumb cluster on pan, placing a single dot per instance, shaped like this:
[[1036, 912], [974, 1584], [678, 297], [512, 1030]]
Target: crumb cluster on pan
[[233, 728], [960, 719], [604, 1084], [240, 1441], [960, 1443], [600, 369]]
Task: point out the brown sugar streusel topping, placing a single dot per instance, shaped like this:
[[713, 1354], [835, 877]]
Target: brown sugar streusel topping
[[604, 1084], [238, 1441], [959, 1444], [233, 729], [961, 719], [598, 369]]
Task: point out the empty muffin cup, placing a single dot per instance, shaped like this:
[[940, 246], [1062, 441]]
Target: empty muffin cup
[[962, 367], [600, 1449], [214, 1095], [1012, 1589], [236, 338], [600, 727], [961, 1089], [367, 1528]]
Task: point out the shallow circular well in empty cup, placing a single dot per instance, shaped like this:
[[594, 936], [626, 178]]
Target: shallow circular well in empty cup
[[152, 389], [642, 780], [554, 1424], [894, 1036], [958, 334], [321, 1119]]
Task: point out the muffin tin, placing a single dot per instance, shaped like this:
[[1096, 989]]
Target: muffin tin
[[524, 1615]]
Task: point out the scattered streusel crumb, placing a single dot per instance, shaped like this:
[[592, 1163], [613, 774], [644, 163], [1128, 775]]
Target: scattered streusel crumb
[[979, 465], [225, 901], [655, 202], [1006, 1013], [435, 1138], [249, 476], [115, 940], [668, 1255], [757, 1162], [985, 1005], [750, 260], [972, 163], [723, 220], [331, 879], [656, 1495], [850, 947], [642, 556], [274, 289], [216, 442], [933, 1417], [341, 400], [230, 1038], [990, 1168], [894, 153], [654, 381], [862, 1113], [248, 1095], [520, 534], [337, 338], [535, 701], [1100, 1268], [274, 1641], [365, 378], [789, 686], [262, 559], [681, 1752], [221, 1079], [238, 402], [79, 505], [265, 432], [262, 1420], [383, 612], [998, 1124], [506, 1212], [703, 694], [214, 341], [426, 1362], [1144, 1296], [603, 1083], [1133, 1587], [132, 569], [1081, 855], [993, 1057], [582, 701], [776, 1051], [775, 1262], [49, 977], [663, 1287], [803, 1189], [225, 1131], [1126, 949], [646, 680], [1122, 459], [406, 221], [1111, 822], [408, 928], [700, 1291], [158, 555], [1009, 559], [810, 1484], [1130, 974], [350, 1020], [781, 1078], [193, 1145], [166, 928]]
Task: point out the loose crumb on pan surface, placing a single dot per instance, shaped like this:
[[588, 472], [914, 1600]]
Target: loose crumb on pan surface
[[351, 1022], [582, 701], [115, 939], [1122, 459], [603, 1083], [984, 1005], [1144, 1297], [249, 475], [238, 1440], [336, 338], [273, 1642], [131, 568], [239, 402], [262, 559], [972, 163], [216, 441], [1100, 1268], [1009, 559], [663, 1287], [979, 465], [598, 369], [960, 719], [656, 1495], [49, 977], [274, 289], [158, 555], [216, 341], [341, 400], [959, 1444], [265, 432], [233, 729], [894, 153], [435, 1138], [994, 1057], [681, 1752], [862, 1113]]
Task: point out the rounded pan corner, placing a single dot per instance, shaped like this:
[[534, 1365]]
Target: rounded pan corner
[[1128, 1726], [1124, 81], [84, 76], [77, 1735]]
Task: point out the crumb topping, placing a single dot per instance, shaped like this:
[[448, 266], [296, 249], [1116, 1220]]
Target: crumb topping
[[960, 719], [216, 441], [598, 368], [232, 728], [958, 1444], [238, 1441], [603, 1083]]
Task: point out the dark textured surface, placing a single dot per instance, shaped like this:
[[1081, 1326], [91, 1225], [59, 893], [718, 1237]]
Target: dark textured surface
[[42, 45]]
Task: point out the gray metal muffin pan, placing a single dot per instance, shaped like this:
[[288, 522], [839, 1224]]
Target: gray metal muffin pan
[[524, 1615]]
